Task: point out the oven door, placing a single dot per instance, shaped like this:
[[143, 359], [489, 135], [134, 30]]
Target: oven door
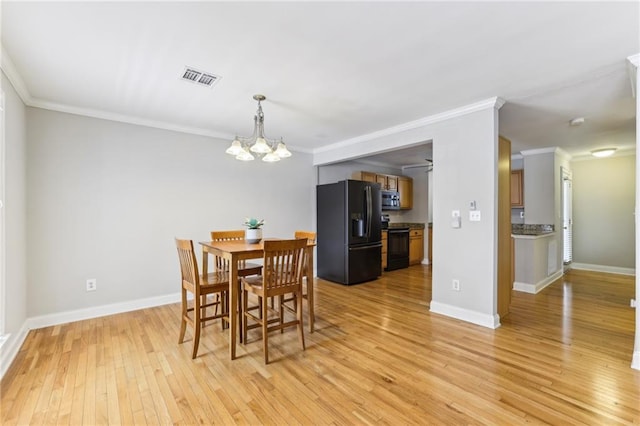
[[397, 248]]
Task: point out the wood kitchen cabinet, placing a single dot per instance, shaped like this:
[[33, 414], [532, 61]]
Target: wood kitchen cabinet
[[416, 246], [387, 182], [402, 184], [517, 189], [384, 249], [365, 176], [405, 189]]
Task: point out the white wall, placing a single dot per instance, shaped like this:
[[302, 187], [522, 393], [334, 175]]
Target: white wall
[[106, 200], [15, 313], [603, 207], [465, 151]]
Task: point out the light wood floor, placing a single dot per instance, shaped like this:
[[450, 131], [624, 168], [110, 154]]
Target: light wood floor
[[378, 357]]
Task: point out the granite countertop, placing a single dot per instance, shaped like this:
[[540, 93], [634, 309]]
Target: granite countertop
[[410, 225], [531, 230]]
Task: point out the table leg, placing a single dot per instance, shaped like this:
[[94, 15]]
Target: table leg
[[205, 262], [233, 305], [309, 274]]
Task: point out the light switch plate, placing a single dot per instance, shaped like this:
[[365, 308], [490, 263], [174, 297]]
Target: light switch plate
[[474, 216]]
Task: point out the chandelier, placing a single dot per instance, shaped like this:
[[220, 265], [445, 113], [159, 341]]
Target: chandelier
[[258, 144]]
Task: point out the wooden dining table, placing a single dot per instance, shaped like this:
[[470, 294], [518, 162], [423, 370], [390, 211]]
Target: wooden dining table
[[235, 251]]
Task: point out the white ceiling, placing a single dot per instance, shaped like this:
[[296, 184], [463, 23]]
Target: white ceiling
[[333, 71]]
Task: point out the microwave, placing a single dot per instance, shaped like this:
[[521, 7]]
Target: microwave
[[390, 200]]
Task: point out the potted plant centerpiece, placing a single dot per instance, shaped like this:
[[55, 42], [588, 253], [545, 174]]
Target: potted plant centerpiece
[[253, 234]]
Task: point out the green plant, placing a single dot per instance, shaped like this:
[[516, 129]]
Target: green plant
[[253, 223]]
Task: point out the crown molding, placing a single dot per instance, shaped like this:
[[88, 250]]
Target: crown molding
[[111, 116], [139, 121], [633, 62], [494, 102], [527, 152], [551, 150], [16, 80], [564, 154], [12, 74]]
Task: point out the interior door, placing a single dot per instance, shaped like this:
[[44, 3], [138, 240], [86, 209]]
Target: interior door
[[567, 218]]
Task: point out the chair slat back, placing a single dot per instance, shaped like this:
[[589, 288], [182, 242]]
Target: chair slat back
[[283, 264], [188, 263], [233, 235], [311, 239], [309, 235]]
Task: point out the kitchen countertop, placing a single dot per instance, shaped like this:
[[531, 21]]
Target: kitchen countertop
[[410, 225], [520, 230], [532, 235]]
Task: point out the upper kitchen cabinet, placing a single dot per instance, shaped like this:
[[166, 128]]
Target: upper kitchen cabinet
[[405, 189], [365, 176], [402, 184], [387, 182], [517, 193]]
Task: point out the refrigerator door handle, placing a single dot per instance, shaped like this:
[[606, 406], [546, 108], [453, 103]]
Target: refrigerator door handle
[[365, 247], [369, 208]]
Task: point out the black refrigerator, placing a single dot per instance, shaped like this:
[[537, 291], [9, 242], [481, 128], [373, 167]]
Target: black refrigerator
[[349, 244]]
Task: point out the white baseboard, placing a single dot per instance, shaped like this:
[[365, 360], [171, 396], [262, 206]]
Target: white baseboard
[[100, 311], [539, 286], [425, 261], [489, 321], [11, 347], [603, 268], [635, 360]]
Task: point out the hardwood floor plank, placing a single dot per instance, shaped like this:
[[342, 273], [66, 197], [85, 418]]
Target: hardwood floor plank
[[378, 356]]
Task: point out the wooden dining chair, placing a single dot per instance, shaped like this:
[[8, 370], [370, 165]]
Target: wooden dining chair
[[281, 274], [244, 268], [216, 283], [288, 301]]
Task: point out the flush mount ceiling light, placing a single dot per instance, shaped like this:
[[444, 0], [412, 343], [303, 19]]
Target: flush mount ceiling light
[[577, 121], [258, 144], [604, 152]]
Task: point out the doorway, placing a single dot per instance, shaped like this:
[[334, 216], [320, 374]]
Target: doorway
[[567, 219]]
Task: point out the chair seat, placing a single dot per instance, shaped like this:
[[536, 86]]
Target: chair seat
[[214, 280], [253, 281], [249, 269]]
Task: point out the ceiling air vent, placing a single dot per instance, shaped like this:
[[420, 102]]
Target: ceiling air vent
[[203, 78]]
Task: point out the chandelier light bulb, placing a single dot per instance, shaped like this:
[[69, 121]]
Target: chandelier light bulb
[[282, 151], [235, 148], [245, 155], [260, 147], [271, 158]]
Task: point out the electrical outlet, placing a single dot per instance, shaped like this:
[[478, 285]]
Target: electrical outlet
[[92, 284], [455, 285], [633, 303]]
